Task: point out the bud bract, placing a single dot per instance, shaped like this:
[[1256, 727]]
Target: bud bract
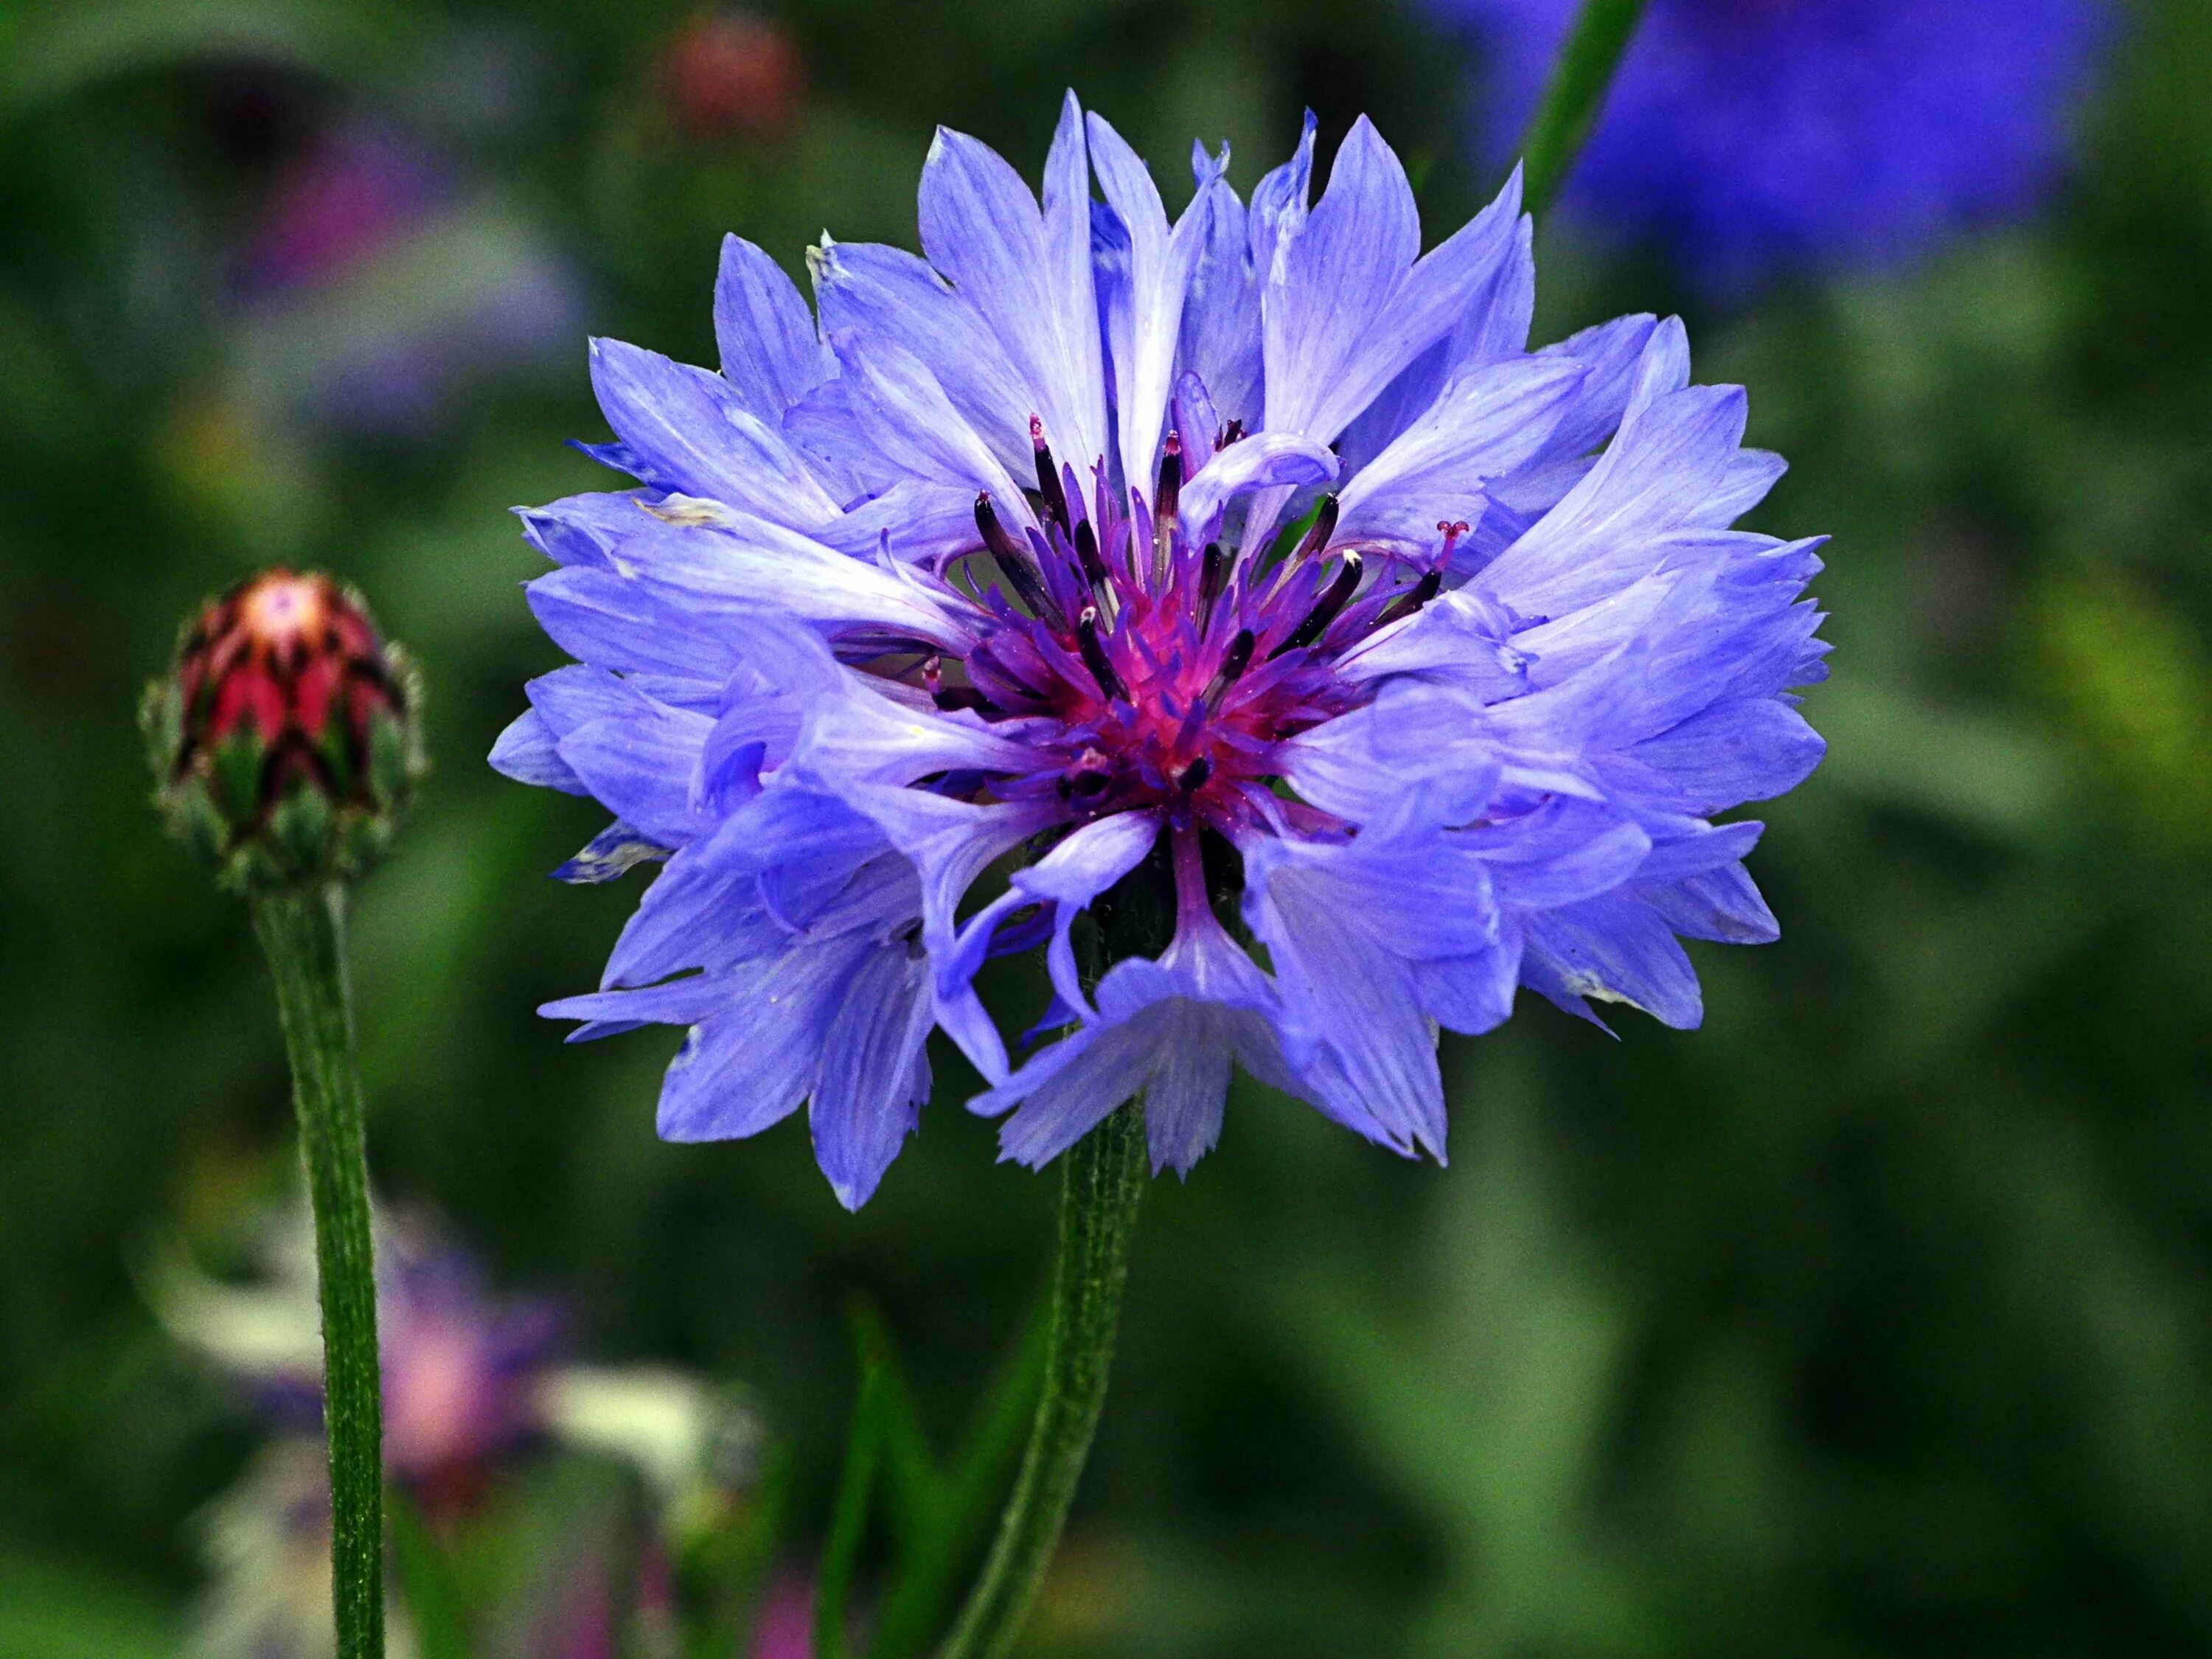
[[285, 741]]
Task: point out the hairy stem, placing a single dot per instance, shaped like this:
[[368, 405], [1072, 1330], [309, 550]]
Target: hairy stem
[[1574, 97], [1102, 1177], [303, 932]]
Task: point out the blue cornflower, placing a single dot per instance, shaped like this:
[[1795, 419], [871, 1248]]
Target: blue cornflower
[[1752, 137], [1251, 559]]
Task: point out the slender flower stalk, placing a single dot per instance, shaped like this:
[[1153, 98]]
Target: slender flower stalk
[[285, 747], [1102, 1179], [302, 930]]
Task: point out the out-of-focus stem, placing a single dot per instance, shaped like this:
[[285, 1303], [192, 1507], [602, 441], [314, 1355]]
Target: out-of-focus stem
[[1574, 95]]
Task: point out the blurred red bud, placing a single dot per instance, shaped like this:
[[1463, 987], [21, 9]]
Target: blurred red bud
[[733, 75]]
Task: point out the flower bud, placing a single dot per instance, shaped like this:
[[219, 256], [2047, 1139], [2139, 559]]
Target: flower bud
[[733, 75], [285, 742]]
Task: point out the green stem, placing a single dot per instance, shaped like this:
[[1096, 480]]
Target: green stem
[[1574, 95], [303, 932], [1102, 1177]]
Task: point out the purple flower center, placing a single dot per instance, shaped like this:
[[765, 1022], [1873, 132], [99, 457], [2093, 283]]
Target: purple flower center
[[1155, 672]]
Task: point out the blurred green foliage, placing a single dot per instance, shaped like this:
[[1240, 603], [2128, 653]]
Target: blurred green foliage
[[1876, 1317]]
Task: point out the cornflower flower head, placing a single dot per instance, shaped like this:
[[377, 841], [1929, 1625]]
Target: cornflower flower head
[[1754, 136], [1245, 581]]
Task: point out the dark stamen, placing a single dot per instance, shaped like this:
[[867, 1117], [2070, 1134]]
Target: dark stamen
[[964, 696], [1230, 435], [1094, 654], [1164, 499], [1196, 774], [1012, 563], [1234, 661], [1407, 603], [1085, 785], [1047, 471], [1324, 526], [1213, 575], [1087, 552], [1333, 599]]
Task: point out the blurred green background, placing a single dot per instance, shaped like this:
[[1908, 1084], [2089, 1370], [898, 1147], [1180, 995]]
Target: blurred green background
[[1874, 1318]]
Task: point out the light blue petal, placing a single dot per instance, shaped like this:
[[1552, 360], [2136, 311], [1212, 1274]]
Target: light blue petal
[[525, 752], [1279, 206], [897, 407], [1491, 420], [639, 768], [1721, 905], [770, 355], [686, 430], [1160, 264], [1733, 753], [1028, 273], [1282, 460], [876, 292], [749, 1065], [1332, 281], [1614, 949], [1220, 336], [866, 1103]]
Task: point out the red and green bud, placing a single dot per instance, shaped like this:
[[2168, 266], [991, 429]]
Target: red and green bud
[[285, 742]]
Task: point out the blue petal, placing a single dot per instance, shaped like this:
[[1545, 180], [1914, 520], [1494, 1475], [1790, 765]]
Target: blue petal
[[1721, 904], [749, 1065], [1492, 419], [770, 356], [874, 1079], [1473, 993], [1278, 205], [639, 768], [1340, 924], [1160, 263], [1615, 949], [680, 1002], [1269, 460], [689, 432], [1332, 281], [1349, 308], [609, 856], [609, 623], [1220, 336], [1028, 273], [871, 291], [525, 752], [1733, 753], [700, 557], [896, 407]]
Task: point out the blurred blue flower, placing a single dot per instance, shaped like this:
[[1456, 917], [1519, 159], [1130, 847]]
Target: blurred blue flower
[[1751, 136], [1249, 567]]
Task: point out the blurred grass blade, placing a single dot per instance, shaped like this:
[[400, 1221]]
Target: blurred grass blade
[[1574, 94], [848, 1519], [427, 1587], [920, 1599], [914, 1489]]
